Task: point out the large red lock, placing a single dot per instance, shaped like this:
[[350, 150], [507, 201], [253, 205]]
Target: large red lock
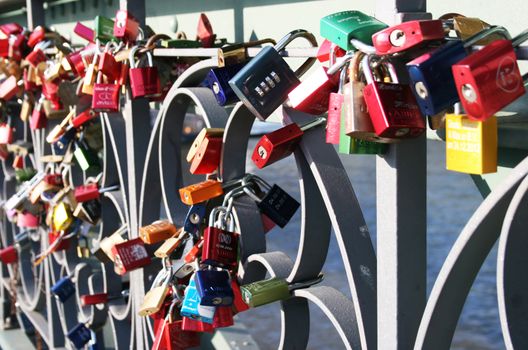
[[9, 255], [109, 66], [38, 118], [91, 191], [83, 117], [11, 28], [56, 240], [9, 88], [130, 255], [223, 317], [35, 57], [220, 247], [6, 134], [75, 60], [328, 50], [37, 35], [4, 48], [490, 79], [207, 158], [280, 143], [126, 27], [105, 96], [407, 35], [144, 81], [392, 107], [205, 32]]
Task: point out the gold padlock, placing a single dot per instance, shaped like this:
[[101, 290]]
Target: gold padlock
[[90, 77], [62, 216], [471, 146], [466, 27], [170, 245], [153, 300], [27, 108]]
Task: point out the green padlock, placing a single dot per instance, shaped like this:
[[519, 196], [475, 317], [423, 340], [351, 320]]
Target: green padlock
[[180, 44], [351, 145], [341, 27], [85, 157], [271, 290], [104, 29], [24, 174]]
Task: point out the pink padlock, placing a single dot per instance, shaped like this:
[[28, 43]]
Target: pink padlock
[[27, 220]]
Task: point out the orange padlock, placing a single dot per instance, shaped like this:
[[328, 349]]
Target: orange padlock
[[201, 192]]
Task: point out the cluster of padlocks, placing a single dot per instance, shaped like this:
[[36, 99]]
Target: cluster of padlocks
[[356, 94]]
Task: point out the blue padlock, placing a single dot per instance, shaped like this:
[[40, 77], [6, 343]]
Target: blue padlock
[[194, 218], [431, 78], [63, 289], [79, 335], [191, 305], [214, 287], [218, 81], [61, 145]]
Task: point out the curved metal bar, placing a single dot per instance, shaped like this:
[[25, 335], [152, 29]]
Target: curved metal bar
[[348, 222], [463, 263], [512, 286]]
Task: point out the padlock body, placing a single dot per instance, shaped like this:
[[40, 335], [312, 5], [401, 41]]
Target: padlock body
[[343, 26], [432, 80], [63, 289], [9, 88], [192, 325], [35, 57], [86, 158], [144, 82], [86, 193], [393, 110], [125, 27], [62, 216], [325, 51], [79, 335], [105, 97], [130, 255], [407, 35], [218, 81], [157, 231], [104, 29], [220, 247], [6, 134], [333, 120], [109, 66], [8, 255], [27, 220], [471, 146], [201, 192], [265, 292], [493, 77], [223, 317], [214, 288], [176, 338], [191, 305], [194, 218], [311, 96], [264, 83], [84, 32], [207, 158], [276, 145], [94, 299], [278, 205]]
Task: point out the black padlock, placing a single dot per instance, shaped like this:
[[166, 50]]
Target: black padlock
[[264, 83], [89, 211]]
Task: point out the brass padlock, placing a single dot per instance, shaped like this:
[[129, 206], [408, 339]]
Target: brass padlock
[[90, 77], [62, 216], [153, 300]]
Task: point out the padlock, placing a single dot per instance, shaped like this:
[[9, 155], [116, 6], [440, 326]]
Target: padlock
[[154, 298], [392, 107], [84, 32], [27, 220], [126, 27], [201, 192], [220, 241], [191, 306], [62, 145], [194, 218], [278, 205], [171, 243], [223, 317], [204, 32], [489, 80], [157, 231], [108, 65], [407, 36], [89, 211], [280, 143], [327, 50], [207, 158], [342, 28], [195, 326], [239, 304], [76, 61], [63, 289], [85, 157], [205, 132], [29, 76], [105, 96], [16, 46], [104, 29], [471, 146], [311, 96], [177, 338], [274, 289], [194, 252], [9, 88], [335, 105], [4, 48], [83, 117], [218, 81], [94, 299], [62, 216], [9, 255], [24, 174], [130, 255], [431, 76], [27, 108], [79, 335], [144, 81], [36, 57], [11, 28], [214, 287], [90, 76], [18, 162], [103, 251], [264, 83], [465, 27], [91, 191], [6, 134]]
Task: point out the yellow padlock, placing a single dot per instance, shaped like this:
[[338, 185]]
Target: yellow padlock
[[89, 77], [471, 146], [62, 216]]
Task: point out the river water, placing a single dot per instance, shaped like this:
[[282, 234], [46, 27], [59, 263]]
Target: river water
[[452, 199]]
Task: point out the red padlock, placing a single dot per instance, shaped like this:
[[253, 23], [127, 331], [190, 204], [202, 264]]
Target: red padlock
[[37, 35], [207, 158], [38, 118], [11, 28], [94, 299], [85, 193], [109, 66], [6, 134], [144, 81], [490, 79], [328, 50], [126, 27], [407, 35], [239, 305], [35, 57], [188, 324], [62, 244], [176, 338], [223, 317], [9, 255], [205, 32], [27, 220], [194, 252], [130, 255], [84, 32], [54, 179], [220, 247], [280, 143], [75, 60], [18, 162], [9, 88], [392, 106], [105, 96], [4, 48], [83, 117]]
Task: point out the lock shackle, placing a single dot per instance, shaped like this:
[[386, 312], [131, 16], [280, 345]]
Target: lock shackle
[[367, 69], [306, 283], [288, 38], [181, 35], [233, 194], [151, 42], [214, 213], [314, 123], [355, 66], [131, 57], [361, 46], [339, 64], [257, 180], [342, 78], [227, 219], [485, 33], [392, 72], [520, 38]]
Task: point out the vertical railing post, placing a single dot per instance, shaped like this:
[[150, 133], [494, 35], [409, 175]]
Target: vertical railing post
[[401, 220], [35, 13]]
